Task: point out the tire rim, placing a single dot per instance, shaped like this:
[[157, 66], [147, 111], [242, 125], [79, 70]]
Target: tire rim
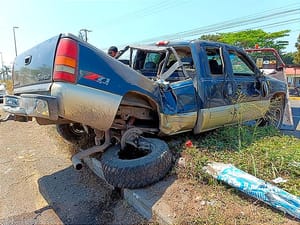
[[77, 129], [275, 117]]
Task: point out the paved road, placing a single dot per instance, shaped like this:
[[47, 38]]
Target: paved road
[[39, 186], [295, 106]]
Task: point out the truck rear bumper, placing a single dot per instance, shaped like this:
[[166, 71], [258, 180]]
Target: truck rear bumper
[[81, 104], [32, 105], [89, 106]]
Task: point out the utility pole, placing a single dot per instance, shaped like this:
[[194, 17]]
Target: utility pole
[[2, 67], [15, 39], [83, 34], [1, 60]]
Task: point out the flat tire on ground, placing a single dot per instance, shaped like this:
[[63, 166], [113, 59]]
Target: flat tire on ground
[[137, 172]]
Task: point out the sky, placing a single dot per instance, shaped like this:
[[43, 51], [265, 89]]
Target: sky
[[123, 22]]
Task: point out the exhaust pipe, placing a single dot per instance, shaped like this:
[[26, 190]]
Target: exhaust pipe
[[77, 163], [77, 158]]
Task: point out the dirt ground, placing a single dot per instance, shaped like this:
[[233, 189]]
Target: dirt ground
[[188, 202], [38, 184]]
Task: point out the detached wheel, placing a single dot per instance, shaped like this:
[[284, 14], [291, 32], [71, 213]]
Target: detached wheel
[[274, 116], [76, 134], [135, 168]]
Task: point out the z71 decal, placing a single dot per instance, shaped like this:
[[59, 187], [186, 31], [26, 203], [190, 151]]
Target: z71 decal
[[96, 77]]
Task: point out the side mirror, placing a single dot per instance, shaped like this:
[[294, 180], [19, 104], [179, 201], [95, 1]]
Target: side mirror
[[264, 89]]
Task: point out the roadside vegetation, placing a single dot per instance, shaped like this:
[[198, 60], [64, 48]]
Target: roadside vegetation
[[261, 151], [9, 85]]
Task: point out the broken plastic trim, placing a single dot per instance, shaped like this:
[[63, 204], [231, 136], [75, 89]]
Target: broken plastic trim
[[256, 188]]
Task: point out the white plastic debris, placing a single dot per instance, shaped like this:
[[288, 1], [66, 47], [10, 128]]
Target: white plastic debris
[[255, 187], [181, 162], [279, 180]]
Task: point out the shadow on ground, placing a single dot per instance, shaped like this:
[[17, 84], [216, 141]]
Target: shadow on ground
[[77, 197], [80, 197]]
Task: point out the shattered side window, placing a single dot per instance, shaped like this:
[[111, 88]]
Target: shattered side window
[[125, 57], [152, 60], [215, 62], [186, 58], [240, 65]]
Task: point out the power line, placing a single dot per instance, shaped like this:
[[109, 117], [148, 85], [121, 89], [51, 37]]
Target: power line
[[277, 24], [225, 25], [146, 11]]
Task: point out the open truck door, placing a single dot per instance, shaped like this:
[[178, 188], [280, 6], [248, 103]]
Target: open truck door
[[271, 64]]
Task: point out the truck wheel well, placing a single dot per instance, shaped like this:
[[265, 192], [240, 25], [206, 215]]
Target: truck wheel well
[[137, 110], [139, 100]]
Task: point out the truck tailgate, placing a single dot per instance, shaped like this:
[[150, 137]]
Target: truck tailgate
[[35, 66]]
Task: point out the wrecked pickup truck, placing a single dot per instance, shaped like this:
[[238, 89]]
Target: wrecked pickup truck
[[121, 107]]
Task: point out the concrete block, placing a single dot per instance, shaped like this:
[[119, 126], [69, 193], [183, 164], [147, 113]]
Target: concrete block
[[147, 201]]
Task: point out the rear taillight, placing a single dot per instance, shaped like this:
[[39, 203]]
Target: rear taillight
[[66, 61]]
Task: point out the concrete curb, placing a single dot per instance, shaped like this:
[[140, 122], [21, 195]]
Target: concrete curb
[[149, 202], [294, 98], [146, 201]]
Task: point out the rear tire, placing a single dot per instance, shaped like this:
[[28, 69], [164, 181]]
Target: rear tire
[[138, 169], [76, 134]]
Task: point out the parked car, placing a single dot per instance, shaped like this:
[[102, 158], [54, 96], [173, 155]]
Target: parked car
[[123, 106], [294, 91]]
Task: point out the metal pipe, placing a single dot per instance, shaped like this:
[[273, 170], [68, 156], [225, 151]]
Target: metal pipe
[[77, 158], [2, 66]]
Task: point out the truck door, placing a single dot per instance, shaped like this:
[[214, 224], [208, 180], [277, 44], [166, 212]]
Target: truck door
[[215, 89], [246, 94]]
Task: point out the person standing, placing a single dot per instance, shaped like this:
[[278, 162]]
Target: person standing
[[112, 51]]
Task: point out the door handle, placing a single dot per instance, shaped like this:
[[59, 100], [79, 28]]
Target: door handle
[[28, 60], [239, 86], [228, 90]]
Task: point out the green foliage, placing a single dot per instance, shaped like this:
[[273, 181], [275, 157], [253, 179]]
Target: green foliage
[[211, 37], [297, 54], [248, 38], [288, 58]]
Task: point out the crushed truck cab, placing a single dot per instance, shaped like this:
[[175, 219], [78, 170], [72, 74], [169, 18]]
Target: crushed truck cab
[[123, 106]]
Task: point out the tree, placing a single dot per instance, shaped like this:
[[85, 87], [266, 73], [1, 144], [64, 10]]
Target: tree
[[211, 37], [297, 54], [249, 38], [288, 58]]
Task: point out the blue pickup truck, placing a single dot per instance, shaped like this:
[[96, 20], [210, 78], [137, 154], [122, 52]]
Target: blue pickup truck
[[121, 107]]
